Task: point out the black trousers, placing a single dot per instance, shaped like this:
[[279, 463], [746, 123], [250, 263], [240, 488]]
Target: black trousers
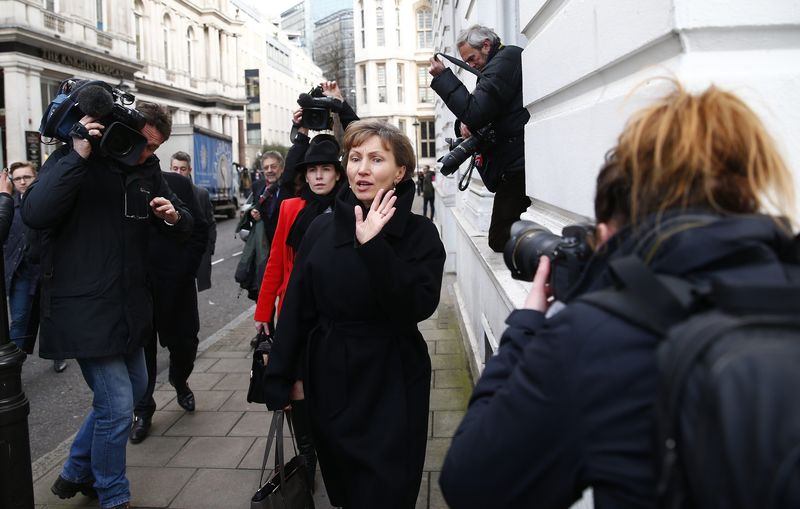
[[510, 201], [175, 325], [425, 202]]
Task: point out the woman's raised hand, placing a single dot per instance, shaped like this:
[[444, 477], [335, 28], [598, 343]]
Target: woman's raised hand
[[380, 212]]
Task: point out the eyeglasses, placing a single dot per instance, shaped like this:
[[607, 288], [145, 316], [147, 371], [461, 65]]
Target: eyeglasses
[[22, 178]]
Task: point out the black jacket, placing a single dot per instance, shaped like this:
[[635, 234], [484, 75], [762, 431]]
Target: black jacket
[[21, 245], [206, 211], [97, 220], [368, 377], [497, 99], [568, 402]]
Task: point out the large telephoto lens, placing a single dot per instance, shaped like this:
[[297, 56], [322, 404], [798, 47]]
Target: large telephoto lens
[[453, 159], [122, 143], [528, 242]]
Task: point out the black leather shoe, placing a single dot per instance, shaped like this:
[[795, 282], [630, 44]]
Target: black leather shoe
[[68, 489], [139, 430], [59, 365], [186, 400]]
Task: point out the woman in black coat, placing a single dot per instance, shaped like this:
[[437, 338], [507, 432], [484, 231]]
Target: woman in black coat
[[363, 278]]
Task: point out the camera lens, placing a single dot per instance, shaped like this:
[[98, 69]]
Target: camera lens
[[453, 159], [316, 118], [116, 144], [528, 242]]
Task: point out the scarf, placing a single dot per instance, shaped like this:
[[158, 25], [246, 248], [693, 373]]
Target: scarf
[[316, 204]]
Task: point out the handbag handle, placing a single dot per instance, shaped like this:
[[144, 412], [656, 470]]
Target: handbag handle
[[276, 416]]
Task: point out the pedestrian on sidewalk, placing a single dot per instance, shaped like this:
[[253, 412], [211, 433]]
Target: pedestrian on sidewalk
[[569, 399], [96, 214], [363, 278], [21, 257], [322, 173], [172, 265], [428, 193]]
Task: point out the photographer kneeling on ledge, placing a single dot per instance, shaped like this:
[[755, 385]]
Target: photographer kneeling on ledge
[[493, 111], [95, 200], [581, 397]]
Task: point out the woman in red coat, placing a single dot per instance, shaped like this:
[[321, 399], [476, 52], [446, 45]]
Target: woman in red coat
[[322, 172]]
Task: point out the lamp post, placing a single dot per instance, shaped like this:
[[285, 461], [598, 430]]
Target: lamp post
[[16, 478], [416, 145]]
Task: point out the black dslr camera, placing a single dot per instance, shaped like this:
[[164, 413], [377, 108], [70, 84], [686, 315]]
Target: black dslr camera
[[568, 254], [121, 138], [461, 149], [318, 110]]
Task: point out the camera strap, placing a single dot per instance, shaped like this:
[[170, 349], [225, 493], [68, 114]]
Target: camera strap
[[461, 64], [79, 130]]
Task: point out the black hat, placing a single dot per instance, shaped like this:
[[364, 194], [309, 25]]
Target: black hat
[[323, 149]]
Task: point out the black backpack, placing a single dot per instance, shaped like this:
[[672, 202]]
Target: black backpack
[[728, 408]]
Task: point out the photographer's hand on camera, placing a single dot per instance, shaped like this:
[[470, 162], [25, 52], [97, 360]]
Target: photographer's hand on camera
[[331, 89], [539, 296], [94, 129], [297, 121], [465, 132]]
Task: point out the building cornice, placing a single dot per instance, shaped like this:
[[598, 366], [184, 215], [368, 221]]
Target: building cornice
[[186, 96], [47, 48], [210, 12]]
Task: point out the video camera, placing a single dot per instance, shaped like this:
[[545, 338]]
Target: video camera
[[121, 138], [318, 109], [461, 148], [568, 253]]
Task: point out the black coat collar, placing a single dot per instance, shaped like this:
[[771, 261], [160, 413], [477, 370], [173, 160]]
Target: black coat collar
[[344, 219]]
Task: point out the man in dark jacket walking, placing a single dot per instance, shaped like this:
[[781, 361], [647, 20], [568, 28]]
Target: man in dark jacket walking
[[96, 215], [496, 102], [181, 162], [173, 265]]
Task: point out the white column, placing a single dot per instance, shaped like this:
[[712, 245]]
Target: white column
[[23, 100]]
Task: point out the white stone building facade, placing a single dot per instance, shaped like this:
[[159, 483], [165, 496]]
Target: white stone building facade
[[183, 54], [587, 66], [393, 43]]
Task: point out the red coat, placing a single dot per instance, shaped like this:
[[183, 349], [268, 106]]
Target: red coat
[[280, 263]]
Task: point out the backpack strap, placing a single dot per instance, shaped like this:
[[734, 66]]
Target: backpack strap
[[653, 302]]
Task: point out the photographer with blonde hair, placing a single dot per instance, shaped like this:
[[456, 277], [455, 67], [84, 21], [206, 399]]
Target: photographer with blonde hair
[[569, 400]]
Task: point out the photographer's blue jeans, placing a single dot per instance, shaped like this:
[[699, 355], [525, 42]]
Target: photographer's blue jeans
[[98, 451], [20, 303]]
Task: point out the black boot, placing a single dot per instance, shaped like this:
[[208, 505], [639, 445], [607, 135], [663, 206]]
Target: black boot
[[302, 434]]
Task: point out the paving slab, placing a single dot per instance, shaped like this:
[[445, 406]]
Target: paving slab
[[449, 361], [154, 451], [448, 399], [238, 403], [212, 452], [445, 422], [201, 364], [204, 381], [163, 420], [451, 379], [156, 487], [234, 382], [232, 365], [217, 489], [204, 424]]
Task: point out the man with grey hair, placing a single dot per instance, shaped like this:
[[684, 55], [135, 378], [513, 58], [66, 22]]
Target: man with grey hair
[[495, 104]]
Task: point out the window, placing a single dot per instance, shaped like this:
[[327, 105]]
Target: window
[[138, 14], [381, 83], [401, 124], [379, 28], [424, 28], [189, 54], [50, 5], [427, 138], [363, 34], [165, 31], [363, 83], [397, 21], [400, 95], [100, 14], [424, 92]]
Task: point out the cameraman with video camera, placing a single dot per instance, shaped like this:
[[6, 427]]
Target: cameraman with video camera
[[492, 111], [95, 200]]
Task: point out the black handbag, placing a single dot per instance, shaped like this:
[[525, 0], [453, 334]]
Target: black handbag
[[263, 345], [287, 487]]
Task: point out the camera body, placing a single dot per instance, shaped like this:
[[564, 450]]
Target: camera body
[[318, 110], [568, 253], [121, 138], [461, 148]]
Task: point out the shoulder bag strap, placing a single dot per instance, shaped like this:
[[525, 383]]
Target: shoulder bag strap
[[270, 437]]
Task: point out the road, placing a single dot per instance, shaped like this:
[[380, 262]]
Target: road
[[60, 401]]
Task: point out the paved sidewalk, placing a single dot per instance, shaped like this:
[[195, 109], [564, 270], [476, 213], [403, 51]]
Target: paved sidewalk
[[210, 459]]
